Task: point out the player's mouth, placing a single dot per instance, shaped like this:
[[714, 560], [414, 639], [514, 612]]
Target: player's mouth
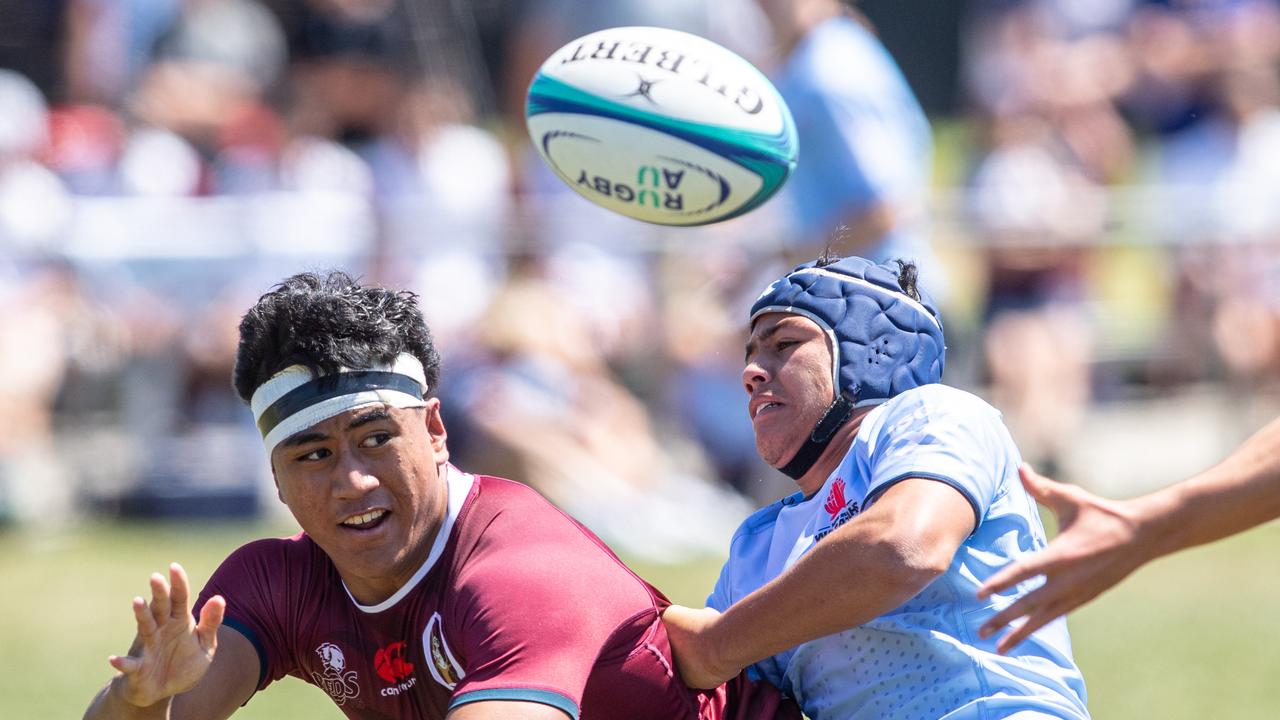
[[762, 408], [366, 520]]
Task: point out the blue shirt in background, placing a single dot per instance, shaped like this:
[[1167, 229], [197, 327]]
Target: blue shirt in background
[[864, 139]]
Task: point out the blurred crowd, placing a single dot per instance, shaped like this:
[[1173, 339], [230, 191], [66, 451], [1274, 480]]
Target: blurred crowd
[[1105, 202]]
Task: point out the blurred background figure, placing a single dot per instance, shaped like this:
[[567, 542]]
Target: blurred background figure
[[862, 178], [34, 206], [549, 411], [1044, 83]]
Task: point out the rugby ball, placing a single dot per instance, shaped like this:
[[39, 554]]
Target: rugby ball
[[661, 125]]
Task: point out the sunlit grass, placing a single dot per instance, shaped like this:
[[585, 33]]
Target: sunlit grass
[[1192, 636]]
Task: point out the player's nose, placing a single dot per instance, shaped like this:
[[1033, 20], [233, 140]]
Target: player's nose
[[753, 377], [353, 479]]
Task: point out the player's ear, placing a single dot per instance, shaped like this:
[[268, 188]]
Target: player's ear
[[436, 430]]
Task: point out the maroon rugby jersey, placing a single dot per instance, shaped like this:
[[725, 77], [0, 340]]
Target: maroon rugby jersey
[[516, 601]]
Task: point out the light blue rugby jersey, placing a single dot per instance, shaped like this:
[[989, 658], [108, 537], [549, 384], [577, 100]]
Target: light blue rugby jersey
[[863, 138], [924, 660]]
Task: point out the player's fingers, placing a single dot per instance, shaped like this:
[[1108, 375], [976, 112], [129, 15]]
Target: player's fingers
[[146, 621], [210, 620], [1044, 490], [124, 663], [1012, 574], [1024, 606], [1033, 623], [159, 598], [179, 591]]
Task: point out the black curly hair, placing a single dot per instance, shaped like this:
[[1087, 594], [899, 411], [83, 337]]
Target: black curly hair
[[329, 321], [908, 273]]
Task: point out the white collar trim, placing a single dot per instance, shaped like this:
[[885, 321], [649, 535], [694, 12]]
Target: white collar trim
[[458, 487]]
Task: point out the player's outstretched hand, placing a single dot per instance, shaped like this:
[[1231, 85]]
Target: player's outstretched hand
[[172, 652], [693, 649], [1095, 548]]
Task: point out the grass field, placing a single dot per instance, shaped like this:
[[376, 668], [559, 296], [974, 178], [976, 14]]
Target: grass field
[[1193, 636]]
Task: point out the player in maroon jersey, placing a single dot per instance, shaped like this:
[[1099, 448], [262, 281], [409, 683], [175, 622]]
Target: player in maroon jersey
[[415, 590]]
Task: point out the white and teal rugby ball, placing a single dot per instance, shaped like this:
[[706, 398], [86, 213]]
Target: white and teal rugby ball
[[661, 125]]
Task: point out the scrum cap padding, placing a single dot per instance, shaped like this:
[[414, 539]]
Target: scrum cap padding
[[884, 342]]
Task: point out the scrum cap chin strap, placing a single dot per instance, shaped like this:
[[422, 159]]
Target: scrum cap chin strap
[[837, 414]]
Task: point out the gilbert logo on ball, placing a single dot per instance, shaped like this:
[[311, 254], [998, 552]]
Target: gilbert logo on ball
[[661, 125]]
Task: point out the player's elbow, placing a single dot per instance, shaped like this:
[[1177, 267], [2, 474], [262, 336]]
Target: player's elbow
[[910, 566]]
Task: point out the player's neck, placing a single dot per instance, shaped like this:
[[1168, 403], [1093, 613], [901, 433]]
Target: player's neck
[[812, 481], [410, 568]]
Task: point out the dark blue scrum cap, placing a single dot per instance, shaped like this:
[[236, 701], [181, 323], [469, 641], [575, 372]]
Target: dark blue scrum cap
[[884, 342]]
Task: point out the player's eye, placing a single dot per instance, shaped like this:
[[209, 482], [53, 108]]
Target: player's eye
[[377, 439], [314, 455]]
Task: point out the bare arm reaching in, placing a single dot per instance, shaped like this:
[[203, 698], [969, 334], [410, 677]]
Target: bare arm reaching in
[[1101, 541], [170, 670]]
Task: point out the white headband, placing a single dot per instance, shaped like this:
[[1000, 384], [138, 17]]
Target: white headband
[[293, 400]]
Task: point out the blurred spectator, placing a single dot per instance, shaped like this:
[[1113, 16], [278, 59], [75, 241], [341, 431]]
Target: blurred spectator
[[29, 34], [85, 145], [1046, 80], [206, 87], [703, 340], [34, 207], [553, 413], [108, 45], [1222, 191], [861, 182], [352, 59], [444, 184], [51, 333], [1038, 216]]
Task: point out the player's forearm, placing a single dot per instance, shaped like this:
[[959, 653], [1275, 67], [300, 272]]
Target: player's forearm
[[1240, 492], [848, 579], [111, 705]]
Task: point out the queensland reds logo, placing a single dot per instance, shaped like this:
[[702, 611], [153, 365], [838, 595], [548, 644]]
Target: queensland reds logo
[[336, 680], [390, 663]]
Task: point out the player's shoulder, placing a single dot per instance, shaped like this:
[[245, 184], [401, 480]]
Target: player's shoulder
[[498, 488], [762, 521], [292, 551], [505, 512], [936, 399], [294, 548], [493, 496], [514, 540], [275, 563]]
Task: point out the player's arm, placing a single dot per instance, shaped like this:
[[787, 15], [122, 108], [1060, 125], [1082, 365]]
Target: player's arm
[[1101, 541], [178, 668], [867, 567], [506, 710]]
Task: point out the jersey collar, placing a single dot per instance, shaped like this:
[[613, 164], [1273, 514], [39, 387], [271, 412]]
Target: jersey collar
[[458, 488]]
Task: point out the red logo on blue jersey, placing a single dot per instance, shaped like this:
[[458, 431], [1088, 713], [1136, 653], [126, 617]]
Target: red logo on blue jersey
[[835, 500], [838, 507]]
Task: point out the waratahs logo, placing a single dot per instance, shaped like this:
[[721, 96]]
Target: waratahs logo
[[840, 509]]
